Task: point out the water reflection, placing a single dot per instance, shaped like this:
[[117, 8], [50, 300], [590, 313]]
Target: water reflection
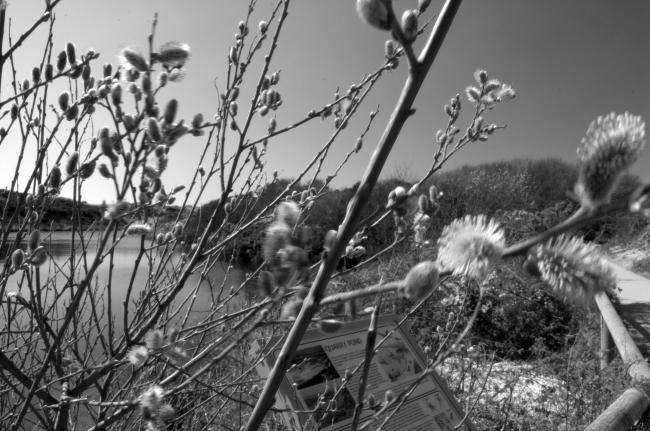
[[63, 249]]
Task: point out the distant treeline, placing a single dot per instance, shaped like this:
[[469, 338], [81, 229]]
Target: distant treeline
[[490, 188], [531, 186], [57, 215]]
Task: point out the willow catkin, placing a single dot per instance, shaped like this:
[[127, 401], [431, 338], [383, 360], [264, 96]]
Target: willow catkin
[[34, 240], [170, 111], [71, 53], [410, 24], [373, 13], [153, 130], [71, 163], [420, 280], [17, 258]]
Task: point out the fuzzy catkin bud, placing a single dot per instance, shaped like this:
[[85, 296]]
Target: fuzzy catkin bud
[[75, 72], [71, 114], [153, 129], [287, 212], [481, 76], [71, 53], [134, 89], [137, 355], [163, 77], [174, 54], [55, 177], [197, 121], [374, 13], [157, 184], [137, 229], [420, 280], [49, 72], [358, 145], [434, 194], [104, 172], [129, 122], [233, 54], [87, 169], [611, 145], [492, 85], [160, 150], [170, 111], [17, 258], [263, 26], [146, 84], [135, 59], [424, 204], [34, 240], [102, 92], [116, 94], [389, 48], [38, 257], [85, 73], [36, 75], [410, 24], [278, 236], [105, 141], [441, 137], [61, 61], [71, 164], [154, 339], [14, 111]]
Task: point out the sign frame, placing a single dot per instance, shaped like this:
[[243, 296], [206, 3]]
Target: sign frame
[[318, 369]]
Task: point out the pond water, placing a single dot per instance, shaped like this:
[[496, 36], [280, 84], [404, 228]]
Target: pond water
[[55, 272], [54, 276]]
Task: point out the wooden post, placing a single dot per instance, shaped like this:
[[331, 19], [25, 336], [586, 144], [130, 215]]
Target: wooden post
[[606, 345], [630, 405]]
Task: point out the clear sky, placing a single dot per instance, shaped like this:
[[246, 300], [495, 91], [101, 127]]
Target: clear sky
[[569, 62]]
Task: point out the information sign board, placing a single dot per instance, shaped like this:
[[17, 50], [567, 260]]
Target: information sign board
[[320, 366]]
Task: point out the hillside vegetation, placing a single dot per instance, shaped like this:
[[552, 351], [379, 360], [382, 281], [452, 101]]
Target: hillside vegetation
[[531, 194]]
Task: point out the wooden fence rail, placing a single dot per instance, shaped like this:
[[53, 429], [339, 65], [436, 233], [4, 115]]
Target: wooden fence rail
[[628, 408]]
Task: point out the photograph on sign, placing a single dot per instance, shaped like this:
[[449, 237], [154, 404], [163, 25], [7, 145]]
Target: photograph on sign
[[320, 390]]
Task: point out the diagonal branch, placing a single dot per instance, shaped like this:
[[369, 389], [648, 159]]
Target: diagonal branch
[[401, 113]]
